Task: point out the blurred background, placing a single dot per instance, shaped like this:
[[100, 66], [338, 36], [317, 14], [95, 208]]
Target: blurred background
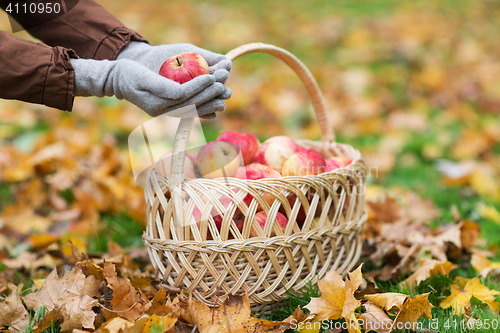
[[414, 85]]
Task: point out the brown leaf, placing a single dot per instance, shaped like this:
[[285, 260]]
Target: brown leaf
[[469, 232], [126, 302], [297, 315], [46, 322], [233, 316], [72, 296], [374, 318], [385, 211], [161, 304], [13, 313]]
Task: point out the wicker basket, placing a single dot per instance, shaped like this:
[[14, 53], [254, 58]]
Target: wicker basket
[[212, 264]]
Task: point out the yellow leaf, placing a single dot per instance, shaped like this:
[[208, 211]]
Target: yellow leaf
[[414, 308], [388, 301], [489, 212], [337, 299], [167, 323], [461, 295], [482, 265], [233, 316], [119, 324]]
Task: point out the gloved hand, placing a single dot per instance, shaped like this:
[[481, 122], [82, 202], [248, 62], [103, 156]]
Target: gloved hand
[[156, 95], [153, 57]]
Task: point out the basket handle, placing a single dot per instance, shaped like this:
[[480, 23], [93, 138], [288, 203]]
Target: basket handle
[[305, 76]]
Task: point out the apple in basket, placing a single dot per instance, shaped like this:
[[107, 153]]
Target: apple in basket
[[273, 155], [162, 167], [184, 67], [304, 163], [257, 171], [218, 159], [248, 143], [261, 218], [301, 215], [337, 162], [284, 140], [238, 217]]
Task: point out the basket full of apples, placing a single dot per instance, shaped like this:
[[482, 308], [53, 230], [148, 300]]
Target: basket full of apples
[[240, 216]]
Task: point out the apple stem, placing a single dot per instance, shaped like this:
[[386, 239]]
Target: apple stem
[[178, 62]]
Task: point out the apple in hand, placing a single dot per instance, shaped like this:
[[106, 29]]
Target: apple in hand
[[184, 67], [337, 162], [273, 154], [218, 159], [284, 140], [248, 143], [261, 218], [304, 163], [162, 167]]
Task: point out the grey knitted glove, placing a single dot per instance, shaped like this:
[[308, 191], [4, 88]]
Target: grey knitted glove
[[153, 57], [156, 95]]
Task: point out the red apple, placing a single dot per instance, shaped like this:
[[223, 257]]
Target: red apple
[[273, 154], [248, 143], [184, 67], [218, 159], [238, 217], [162, 167], [337, 162], [256, 171], [284, 140], [301, 215], [261, 218], [304, 163]]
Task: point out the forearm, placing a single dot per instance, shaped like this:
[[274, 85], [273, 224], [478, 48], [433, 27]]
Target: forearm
[[88, 28], [35, 73]]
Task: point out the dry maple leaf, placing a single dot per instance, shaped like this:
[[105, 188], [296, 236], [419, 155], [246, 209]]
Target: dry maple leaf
[[13, 314], [463, 290], [413, 308], [126, 301], [161, 304], [167, 323], [374, 318], [428, 269], [482, 265], [45, 322], [72, 297], [337, 299], [297, 315], [119, 324], [233, 316], [388, 301]]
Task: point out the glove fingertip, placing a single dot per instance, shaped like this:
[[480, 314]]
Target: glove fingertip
[[226, 94], [208, 116]]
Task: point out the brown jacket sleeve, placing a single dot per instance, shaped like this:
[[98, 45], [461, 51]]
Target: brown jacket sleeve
[[88, 28], [35, 73]]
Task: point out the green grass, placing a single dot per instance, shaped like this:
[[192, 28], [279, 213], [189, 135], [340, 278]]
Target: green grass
[[121, 229]]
